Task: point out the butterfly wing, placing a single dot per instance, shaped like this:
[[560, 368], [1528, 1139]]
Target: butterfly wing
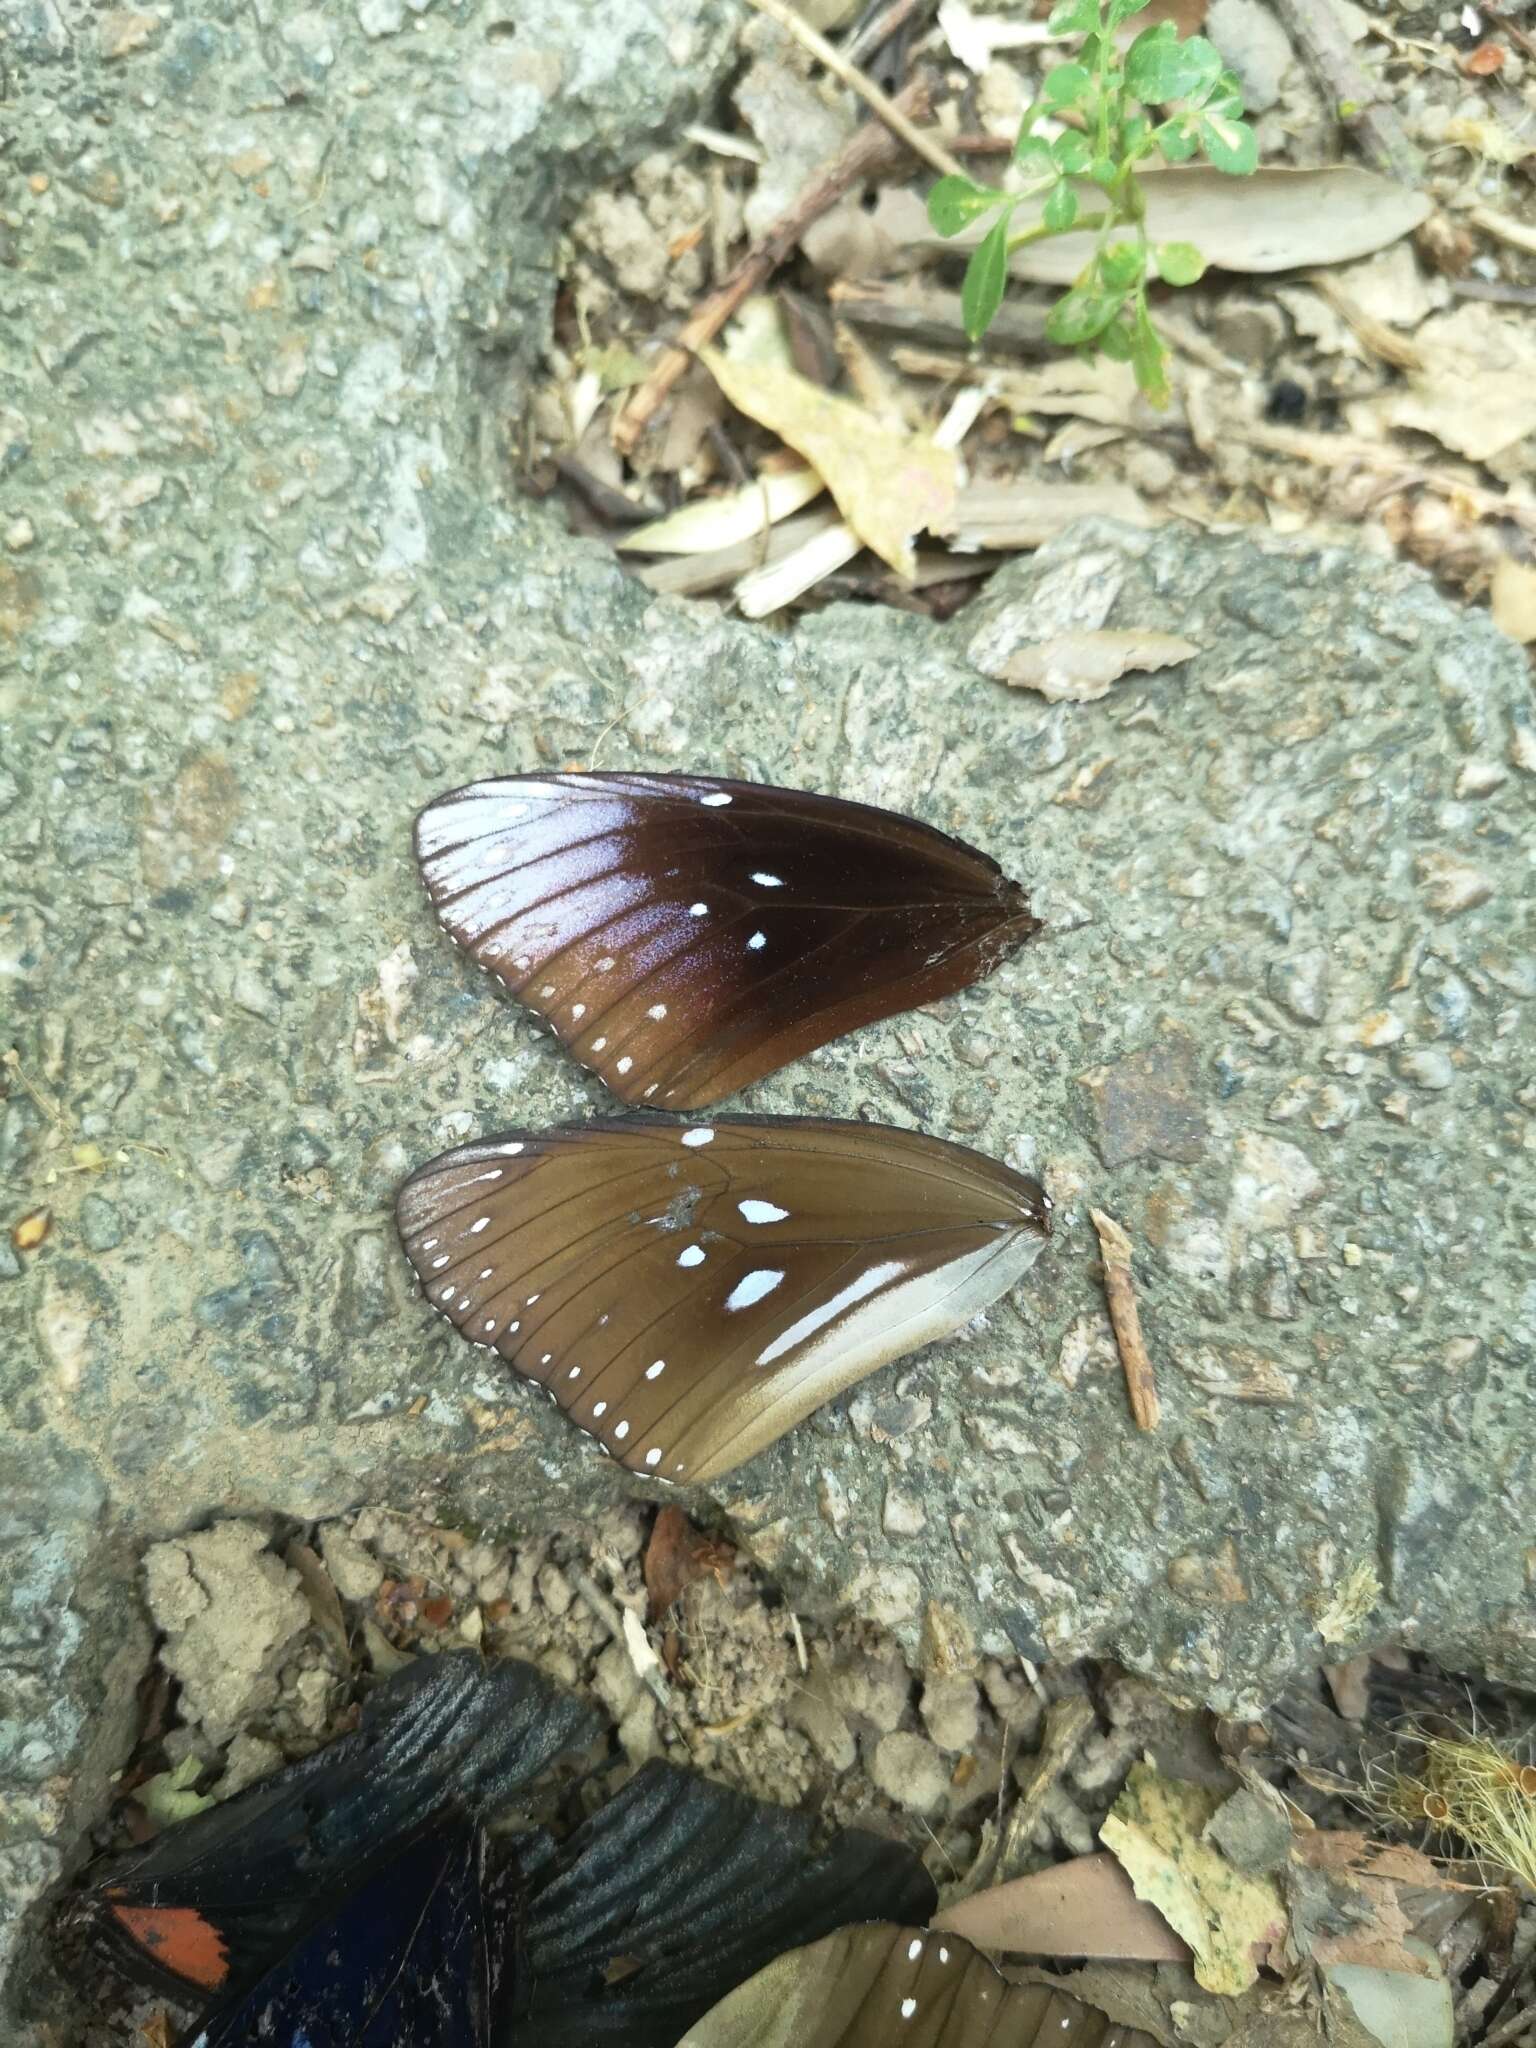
[[685, 936], [416, 1953], [677, 1889], [207, 1901], [688, 1292], [867, 1986]]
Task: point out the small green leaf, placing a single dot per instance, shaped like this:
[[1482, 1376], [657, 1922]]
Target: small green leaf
[[1075, 17], [955, 202], [1115, 342], [1178, 139], [1104, 171], [1070, 152], [1230, 145], [1120, 265], [1179, 262], [1149, 359], [1034, 157], [169, 1798], [1066, 85], [1122, 10], [1060, 208], [1080, 314], [1136, 135], [1158, 67], [986, 279]]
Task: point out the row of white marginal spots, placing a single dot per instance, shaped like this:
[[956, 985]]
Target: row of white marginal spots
[[754, 1287], [909, 2004], [657, 1011]]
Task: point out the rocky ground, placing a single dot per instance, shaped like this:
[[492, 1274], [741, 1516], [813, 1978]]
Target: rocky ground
[[276, 284]]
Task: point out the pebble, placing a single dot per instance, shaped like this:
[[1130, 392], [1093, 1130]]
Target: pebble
[[1300, 985], [904, 1515], [951, 1712], [909, 1770], [875, 1689], [101, 1224], [615, 1680], [20, 534], [355, 1572], [814, 1712], [555, 1589], [1429, 1068]]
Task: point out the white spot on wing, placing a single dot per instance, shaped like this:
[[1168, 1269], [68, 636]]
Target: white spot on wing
[[714, 800], [598, 1044], [761, 1212], [757, 942], [656, 1012], [621, 1430], [600, 1409], [480, 1223], [574, 1373], [438, 1264], [702, 1136], [653, 1457], [698, 910], [654, 1372], [766, 881], [429, 1244], [914, 1949], [578, 1011], [511, 1151], [691, 1255], [625, 1064], [908, 2007], [761, 1281]]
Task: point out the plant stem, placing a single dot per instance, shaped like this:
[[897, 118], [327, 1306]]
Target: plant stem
[[1041, 233]]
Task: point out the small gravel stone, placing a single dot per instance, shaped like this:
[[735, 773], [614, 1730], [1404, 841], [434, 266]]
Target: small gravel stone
[[247, 1759], [615, 1680], [355, 1572], [554, 1589], [904, 1514], [101, 1224], [875, 1689], [951, 1712], [908, 1769], [1430, 1068]]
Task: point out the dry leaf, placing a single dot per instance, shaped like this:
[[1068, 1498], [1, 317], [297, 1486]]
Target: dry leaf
[[888, 486], [1076, 668], [1513, 597], [1083, 1908], [1475, 389], [324, 1601], [1156, 1830], [1025, 513], [725, 521], [676, 1555], [1274, 220]]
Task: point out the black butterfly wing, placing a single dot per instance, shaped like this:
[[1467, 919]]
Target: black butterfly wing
[[685, 935], [688, 1292], [675, 1891], [414, 1953], [209, 1901]]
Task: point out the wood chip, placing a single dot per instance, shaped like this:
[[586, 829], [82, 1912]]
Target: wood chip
[[1126, 1321], [1087, 1907]]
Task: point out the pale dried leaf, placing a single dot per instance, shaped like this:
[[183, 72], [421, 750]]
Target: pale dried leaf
[[1025, 513], [1475, 389], [1275, 220], [1513, 597], [1156, 1830], [1086, 1907], [1076, 668], [888, 486], [723, 522]]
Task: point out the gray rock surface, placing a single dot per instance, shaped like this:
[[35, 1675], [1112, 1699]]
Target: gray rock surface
[[274, 275]]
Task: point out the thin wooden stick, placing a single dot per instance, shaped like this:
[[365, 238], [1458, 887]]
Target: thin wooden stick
[[1356, 102], [889, 111], [879, 32], [1126, 1320], [871, 150]]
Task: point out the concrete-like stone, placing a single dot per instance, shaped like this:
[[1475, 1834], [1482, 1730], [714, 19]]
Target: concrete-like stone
[[271, 297], [908, 1769]]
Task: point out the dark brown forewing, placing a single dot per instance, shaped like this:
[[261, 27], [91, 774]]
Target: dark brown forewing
[[688, 1292], [875, 1984], [685, 936]]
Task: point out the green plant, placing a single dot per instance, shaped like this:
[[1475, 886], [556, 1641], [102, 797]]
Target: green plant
[[1163, 96]]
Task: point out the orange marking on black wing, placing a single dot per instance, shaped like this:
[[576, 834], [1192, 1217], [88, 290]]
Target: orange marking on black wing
[[180, 1940]]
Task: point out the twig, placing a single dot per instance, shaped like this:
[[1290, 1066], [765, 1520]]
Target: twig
[[878, 33], [1513, 30], [1125, 1318], [1066, 1723], [923, 314], [1382, 341], [608, 1614], [871, 150], [1513, 233], [890, 111], [1325, 48]]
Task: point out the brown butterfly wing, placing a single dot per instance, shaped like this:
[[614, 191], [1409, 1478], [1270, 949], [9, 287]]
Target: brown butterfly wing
[[685, 936], [687, 1293], [870, 1985]]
